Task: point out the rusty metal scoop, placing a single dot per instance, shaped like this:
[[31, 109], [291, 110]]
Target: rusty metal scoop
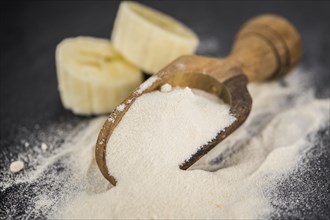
[[266, 47]]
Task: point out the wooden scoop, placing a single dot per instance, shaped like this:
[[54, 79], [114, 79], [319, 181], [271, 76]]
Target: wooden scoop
[[266, 47]]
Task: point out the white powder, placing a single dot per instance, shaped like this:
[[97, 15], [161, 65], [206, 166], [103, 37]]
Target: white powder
[[147, 146], [121, 107], [259, 171], [146, 84], [44, 146], [16, 166], [165, 129]]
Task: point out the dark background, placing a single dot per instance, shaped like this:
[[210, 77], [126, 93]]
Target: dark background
[[30, 31]]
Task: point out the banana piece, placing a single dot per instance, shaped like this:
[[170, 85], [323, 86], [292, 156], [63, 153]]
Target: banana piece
[[93, 78], [150, 39]]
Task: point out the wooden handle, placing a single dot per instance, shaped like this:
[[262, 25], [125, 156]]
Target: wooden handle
[[267, 46]]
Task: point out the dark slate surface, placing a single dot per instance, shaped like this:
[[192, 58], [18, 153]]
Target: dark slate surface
[[31, 30]]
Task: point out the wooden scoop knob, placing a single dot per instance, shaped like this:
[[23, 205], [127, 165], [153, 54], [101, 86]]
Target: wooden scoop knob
[[267, 47]]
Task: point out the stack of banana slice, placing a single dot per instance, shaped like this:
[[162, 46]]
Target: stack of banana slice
[[95, 75]]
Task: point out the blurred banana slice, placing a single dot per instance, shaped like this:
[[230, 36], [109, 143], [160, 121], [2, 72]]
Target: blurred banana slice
[[150, 39], [93, 78]]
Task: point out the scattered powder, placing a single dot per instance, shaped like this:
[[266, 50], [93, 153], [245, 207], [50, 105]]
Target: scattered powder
[[16, 166], [111, 120], [166, 88], [121, 107], [275, 165], [146, 84]]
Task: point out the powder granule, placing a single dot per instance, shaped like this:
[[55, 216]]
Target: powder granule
[[166, 88], [16, 166], [44, 147]]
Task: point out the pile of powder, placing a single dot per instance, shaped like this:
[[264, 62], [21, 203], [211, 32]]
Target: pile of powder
[[259, 171], [164, 129]]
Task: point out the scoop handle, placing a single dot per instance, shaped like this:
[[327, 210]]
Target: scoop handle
[[267, 46]]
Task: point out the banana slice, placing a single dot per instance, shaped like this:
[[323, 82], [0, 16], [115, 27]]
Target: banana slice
[[93, 78], [149, 38]]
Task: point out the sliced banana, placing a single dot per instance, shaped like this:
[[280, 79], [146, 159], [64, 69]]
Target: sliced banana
[[93, 78], [149, 38]]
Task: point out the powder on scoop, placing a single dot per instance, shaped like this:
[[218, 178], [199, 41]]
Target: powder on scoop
[[162, 130]]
